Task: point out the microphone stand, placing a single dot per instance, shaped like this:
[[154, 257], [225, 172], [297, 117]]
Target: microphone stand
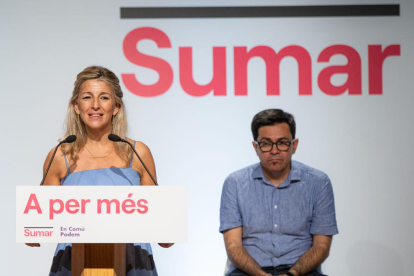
[[142, 162], [69, 139], [116, 138]]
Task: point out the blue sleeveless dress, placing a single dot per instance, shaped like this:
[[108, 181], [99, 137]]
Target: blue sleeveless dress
[[139, 258]]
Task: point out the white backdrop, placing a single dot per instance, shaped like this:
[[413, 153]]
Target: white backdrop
[[363, 142]]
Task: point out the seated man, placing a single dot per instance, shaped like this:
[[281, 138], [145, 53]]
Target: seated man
[[277, 216]]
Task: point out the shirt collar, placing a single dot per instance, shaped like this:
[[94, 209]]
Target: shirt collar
[[295, 175]]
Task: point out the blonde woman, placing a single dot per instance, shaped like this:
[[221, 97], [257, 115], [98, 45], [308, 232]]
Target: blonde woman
[[96, 110]]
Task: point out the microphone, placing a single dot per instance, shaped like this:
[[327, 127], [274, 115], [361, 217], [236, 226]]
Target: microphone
[[116, 138], [69, 139]]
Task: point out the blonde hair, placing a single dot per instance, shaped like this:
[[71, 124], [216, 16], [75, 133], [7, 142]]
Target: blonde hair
[[74, 126]]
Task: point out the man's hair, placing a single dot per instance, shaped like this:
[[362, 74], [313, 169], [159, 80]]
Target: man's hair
[[271, 117]]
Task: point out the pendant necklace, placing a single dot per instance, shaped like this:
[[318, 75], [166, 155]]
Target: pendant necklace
[[99, 156]]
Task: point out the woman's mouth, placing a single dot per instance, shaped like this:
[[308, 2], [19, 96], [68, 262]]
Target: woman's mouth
[[95, 116]]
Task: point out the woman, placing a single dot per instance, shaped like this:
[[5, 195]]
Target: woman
[[95, 111]]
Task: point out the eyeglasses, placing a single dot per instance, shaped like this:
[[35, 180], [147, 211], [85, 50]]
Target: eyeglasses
[[282, 145]]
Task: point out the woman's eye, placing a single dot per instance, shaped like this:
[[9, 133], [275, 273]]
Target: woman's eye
[[104, 98], [86, 98]]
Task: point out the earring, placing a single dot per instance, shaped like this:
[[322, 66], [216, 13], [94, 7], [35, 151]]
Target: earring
[[78, 118], [112, 121]]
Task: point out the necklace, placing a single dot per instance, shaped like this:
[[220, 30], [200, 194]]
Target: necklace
[[98, 156]]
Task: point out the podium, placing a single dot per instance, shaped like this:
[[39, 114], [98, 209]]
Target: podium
[[98, 259], [99, 223]]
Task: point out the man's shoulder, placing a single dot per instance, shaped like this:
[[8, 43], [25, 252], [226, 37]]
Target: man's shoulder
[[310, 173], [243, 174]]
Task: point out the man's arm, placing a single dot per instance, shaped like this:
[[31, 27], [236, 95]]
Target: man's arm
[[238, 254], [322, 228], [312, 258]]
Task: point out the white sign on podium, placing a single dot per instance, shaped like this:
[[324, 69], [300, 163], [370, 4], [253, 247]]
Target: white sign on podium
[[101, 214]]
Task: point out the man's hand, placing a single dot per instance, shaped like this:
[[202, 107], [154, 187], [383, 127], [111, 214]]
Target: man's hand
[[312, 258], [238, 254], [166, 245], [293, 272]]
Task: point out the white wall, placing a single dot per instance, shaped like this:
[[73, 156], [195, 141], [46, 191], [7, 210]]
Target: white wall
[[362, 142]]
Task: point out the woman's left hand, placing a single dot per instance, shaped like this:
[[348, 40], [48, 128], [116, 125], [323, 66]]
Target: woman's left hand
[[166, 245]]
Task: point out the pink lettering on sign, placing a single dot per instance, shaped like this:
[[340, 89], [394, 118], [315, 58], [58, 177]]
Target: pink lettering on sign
[[52, 209], [353, 69], [57, 206], [32, 233], [32, 200], [83, 204], [272, 61], [128, 203], [142, 204], [376, 57], [108, 205], [73, 206], [241, 58], [218, 82], [162, 67], [128, 206]]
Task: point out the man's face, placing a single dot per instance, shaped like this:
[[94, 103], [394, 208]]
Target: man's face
[[275, 161]]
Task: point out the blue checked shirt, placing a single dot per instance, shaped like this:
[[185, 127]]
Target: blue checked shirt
[[278, 222]]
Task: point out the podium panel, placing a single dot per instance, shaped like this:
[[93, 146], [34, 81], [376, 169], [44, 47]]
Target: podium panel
[[101, 214], [98, 259], [100, 220]]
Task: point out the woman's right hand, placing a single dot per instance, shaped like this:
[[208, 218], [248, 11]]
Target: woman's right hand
[[33, 244]]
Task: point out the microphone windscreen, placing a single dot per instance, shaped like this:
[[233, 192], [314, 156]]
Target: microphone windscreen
[[114, 138], [70, 139]]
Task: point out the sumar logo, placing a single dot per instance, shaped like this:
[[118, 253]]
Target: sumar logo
[[377, 54]]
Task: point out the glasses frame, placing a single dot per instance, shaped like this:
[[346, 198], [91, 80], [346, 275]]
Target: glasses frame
[[290, 143]]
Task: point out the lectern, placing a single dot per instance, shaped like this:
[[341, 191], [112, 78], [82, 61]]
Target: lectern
[[100, 222], [98, 259]]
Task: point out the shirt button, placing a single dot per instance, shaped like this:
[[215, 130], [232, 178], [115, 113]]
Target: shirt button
[[275, 206], [275, 225]]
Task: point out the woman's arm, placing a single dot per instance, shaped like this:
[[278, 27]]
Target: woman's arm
[[146, 156], [57, 169]]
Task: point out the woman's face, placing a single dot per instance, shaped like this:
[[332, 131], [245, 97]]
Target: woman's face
[[96, 104]]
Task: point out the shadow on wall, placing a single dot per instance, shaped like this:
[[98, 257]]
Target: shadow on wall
[[370, 258]]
